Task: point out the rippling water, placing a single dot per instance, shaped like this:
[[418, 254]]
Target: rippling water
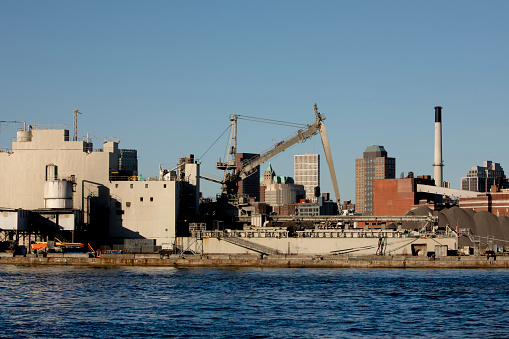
[[76, 302]]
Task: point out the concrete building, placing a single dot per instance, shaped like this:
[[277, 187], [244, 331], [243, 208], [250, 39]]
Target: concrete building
[[481, 178], [58, 179], [251, 184], [279, 190], [375, 164], [307, 174], [322, 206]]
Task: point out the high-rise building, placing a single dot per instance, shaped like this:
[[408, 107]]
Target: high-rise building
[[251, 184], [480, 178], [373, 165], [307, 173]]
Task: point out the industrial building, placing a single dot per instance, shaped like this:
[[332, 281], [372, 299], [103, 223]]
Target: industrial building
[[375, 164], [51, 184], [398, 196], [96, 195]]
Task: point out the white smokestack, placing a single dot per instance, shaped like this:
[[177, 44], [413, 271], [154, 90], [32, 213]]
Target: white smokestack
[[438, 165]]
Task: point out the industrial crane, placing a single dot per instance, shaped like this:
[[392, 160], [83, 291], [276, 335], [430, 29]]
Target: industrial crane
[[233, 174]]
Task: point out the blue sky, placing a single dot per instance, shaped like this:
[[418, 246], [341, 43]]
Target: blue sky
[[164, 77]]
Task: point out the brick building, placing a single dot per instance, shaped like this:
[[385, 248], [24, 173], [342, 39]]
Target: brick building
[[398, 196], [496, 201]]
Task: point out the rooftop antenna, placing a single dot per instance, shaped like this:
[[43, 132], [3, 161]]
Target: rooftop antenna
[[76, 112]]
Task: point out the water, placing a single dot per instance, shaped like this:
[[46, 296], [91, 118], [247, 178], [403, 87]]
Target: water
[[76, 302]]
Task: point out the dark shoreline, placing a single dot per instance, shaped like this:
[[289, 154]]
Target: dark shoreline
[[293, 261]]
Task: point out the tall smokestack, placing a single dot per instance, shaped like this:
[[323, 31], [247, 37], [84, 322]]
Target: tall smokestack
[[438, 165]]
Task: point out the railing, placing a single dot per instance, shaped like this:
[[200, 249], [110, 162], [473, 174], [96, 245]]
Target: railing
[[252, 246], [125, 178], [50, 126], [234, 237]]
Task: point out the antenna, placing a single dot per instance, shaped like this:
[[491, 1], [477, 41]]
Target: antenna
[[76, 112]]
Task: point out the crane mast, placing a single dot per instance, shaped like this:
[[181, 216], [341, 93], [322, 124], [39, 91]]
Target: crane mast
[[230, 179]]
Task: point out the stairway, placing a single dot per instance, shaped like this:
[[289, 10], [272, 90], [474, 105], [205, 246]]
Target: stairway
[[251, 245]]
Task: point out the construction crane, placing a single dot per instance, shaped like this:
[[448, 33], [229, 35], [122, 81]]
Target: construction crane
[[232, 174]]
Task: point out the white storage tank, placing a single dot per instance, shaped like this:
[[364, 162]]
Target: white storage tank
[[58, 194], [24, 136]]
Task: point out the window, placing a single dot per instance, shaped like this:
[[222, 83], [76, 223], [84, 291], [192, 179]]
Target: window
[[128, 204], [164, 185], [116, 185], [131, 185], [151, 198], [146, 185], [141, 198]]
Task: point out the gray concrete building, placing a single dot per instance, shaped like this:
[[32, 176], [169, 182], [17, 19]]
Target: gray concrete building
[[481, 178]]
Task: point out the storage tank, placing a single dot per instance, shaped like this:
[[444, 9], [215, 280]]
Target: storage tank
[[51, 172], [58, 194], [24, 136]]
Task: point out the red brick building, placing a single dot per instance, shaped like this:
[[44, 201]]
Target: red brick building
[[496, 202], [398, 196]]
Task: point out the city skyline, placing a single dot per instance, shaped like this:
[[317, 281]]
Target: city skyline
[[164, 77]]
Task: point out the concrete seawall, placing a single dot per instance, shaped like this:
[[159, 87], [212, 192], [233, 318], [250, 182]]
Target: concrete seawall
[[367, 262]]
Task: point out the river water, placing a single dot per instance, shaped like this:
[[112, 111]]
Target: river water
[[134, 302]]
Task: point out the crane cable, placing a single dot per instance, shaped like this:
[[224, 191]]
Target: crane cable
[[227, 128], [255, 119], [271, 121]]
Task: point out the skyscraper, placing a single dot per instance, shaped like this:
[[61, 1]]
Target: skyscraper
[[307, 173], [251, 184], [373, 165]]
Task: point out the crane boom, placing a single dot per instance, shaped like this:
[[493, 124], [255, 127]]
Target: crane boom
[[330, 163], [249, 166], [301, 136]]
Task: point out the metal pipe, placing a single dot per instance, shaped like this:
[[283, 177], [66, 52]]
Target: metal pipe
[[24, 123]]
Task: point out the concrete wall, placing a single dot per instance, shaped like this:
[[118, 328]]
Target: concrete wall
[[143, 209], [14, 220], [353, 246]]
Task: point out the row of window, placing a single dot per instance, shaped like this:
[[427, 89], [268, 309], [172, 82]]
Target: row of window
[[132, 186], [128, 203]]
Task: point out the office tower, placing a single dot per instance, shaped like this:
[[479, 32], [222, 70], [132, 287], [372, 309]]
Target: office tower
[[480, 178], [373, 165], [307, 173]]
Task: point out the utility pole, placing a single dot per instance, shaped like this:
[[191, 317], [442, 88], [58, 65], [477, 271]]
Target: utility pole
[[75, 137]]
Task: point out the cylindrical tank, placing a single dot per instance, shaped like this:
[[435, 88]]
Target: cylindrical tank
[[24, 136], [58, 194], [51, 172]]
